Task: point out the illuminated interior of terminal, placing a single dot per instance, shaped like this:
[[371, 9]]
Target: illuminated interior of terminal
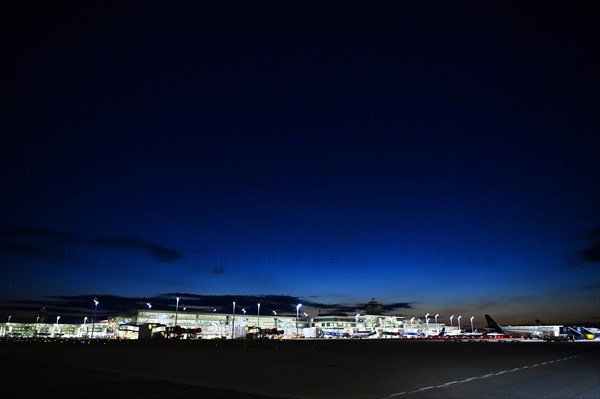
[[152, 323]]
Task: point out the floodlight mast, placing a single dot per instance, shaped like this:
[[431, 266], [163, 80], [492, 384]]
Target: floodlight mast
[[94, 320]]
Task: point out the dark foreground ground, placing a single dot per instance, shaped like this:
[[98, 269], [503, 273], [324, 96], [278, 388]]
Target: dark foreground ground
[[362, 369]]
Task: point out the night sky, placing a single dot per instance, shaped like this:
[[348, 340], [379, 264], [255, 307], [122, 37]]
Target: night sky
[[441, 157]]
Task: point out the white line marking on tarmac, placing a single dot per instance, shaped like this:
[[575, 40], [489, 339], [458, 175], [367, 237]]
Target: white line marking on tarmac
[[447, 384], [426, 388]]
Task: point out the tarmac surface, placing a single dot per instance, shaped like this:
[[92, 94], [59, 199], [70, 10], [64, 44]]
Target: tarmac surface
[[308, 369]]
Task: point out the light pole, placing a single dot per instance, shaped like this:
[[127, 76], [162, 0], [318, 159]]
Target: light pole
[[297, 311], [436, 324], [149, 305], [459, 323], [451, 317], [472, 317], [233, 322], [56, 328], [258, 304], [427, 322], [94, 321], [176, 310]]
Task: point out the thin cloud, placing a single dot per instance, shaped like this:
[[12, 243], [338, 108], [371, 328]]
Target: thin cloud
[[591, 287], [24, 231], [355, 308], [217, 270], [34, 241], [22, 248], [398, 305], [157, 251]]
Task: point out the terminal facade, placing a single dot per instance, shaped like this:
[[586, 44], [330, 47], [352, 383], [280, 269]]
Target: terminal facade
[[149, 323], [167, 324]]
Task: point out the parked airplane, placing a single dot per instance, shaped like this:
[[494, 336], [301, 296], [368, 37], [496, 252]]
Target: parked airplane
[[411, 334], [592, 331], [335, 334], [540, 331], [363, 334], [436, 334], [584, 333], [440, 334]]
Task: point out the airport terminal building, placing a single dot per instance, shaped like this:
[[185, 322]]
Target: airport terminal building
[[185, 324], [189, 325], [149, 323]]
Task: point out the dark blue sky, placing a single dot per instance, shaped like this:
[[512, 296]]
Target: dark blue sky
[[442, 158]]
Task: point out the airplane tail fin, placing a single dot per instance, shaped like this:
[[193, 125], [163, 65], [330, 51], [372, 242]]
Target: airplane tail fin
[[441, 334], [492, 324]]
